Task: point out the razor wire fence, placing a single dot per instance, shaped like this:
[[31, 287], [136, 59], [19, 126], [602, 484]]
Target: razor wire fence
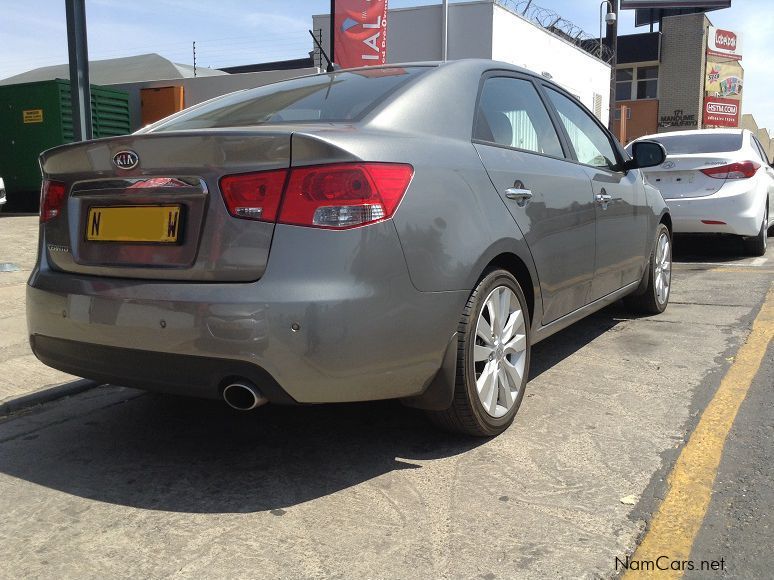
[[553, 22]]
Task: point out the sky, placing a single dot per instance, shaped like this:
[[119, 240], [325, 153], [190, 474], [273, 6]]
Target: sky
[[234, 32]]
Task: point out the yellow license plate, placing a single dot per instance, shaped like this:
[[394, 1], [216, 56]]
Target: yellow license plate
[[140, 223]]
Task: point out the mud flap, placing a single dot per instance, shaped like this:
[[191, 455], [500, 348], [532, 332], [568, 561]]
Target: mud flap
[[439, 393]]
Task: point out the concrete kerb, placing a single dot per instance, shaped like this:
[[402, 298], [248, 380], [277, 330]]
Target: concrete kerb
[[46, 396]]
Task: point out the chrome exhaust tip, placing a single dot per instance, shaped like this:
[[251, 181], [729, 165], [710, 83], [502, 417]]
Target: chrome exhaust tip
[[243, 396]]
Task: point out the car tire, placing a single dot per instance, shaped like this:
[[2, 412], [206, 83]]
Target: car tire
[[492, 359], [757, 246], [655, 298]]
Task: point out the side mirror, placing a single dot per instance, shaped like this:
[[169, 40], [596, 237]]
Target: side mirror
[[645, 154]]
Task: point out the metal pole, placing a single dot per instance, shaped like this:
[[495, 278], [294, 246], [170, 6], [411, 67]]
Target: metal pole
[[605, 4], [612, 42], [333, 31], [445, 30], [80, 92]]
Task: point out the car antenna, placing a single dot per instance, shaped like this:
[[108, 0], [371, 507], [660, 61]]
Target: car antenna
[[322, 51]]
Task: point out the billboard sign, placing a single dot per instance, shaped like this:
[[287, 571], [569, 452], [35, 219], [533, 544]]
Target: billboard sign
[[639, 4], [724, 79], [724, 43], [360, 33], [719, 112]]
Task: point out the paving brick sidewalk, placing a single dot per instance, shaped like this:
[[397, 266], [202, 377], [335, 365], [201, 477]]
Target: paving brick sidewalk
[[20, 372]]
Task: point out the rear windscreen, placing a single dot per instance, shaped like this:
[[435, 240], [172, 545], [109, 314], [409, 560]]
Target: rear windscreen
[[706, 143], [328, 98]]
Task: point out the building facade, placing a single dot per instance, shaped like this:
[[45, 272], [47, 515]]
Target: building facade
[[686, 76]]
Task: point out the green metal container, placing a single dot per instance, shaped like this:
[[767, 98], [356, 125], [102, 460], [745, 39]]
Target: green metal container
[[37, 116]]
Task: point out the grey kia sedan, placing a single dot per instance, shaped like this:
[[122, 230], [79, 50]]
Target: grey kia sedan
[[404, 232]]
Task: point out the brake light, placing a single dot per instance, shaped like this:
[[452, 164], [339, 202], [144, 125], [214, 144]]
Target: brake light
[[344, 195], [339, 195], [52, 197], [254, 196], [742, 170]]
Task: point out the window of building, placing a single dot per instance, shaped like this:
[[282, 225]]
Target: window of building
[[647, 82], [623, 84], [632, 83]]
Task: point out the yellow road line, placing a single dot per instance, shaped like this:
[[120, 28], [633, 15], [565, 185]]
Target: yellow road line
[[680, 515]]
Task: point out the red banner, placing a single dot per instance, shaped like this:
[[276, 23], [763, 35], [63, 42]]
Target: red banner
[[721, 112], [360, 33]]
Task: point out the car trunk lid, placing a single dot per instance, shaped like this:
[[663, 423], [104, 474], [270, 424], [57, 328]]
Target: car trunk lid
[[680, 176], [164, 217]]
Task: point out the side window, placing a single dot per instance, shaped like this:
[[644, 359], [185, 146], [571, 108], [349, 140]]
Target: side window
[[592, 145], [511, 113]]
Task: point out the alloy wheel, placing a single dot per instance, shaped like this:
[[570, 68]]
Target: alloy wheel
[[500, 350], [663, 268]]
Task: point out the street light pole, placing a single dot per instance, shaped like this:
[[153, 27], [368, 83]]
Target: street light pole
[[611, 40], [603, 19], [80, 91], [445, 30]]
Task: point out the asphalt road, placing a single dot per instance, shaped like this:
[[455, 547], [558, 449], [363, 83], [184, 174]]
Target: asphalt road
[[116, 482], [739, 526]]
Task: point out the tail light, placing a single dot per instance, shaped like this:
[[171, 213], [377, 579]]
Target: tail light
[[339, 196], [52, 198], [742, 170], [254, 196], [344, 195]]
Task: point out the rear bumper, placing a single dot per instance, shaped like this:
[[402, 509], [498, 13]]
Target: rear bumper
[[364, 332], [737, 204], [154, 371]]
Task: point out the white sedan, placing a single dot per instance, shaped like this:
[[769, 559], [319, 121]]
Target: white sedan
[[716, 181]]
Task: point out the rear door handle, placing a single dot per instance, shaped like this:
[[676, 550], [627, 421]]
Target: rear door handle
[[522, 196], [604, 198]]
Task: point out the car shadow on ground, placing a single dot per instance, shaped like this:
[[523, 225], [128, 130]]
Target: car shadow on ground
[[711, 248], [187, 455]]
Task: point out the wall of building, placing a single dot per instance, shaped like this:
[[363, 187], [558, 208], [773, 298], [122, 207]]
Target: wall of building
[[643, 120], [200, 89], [681, 73]]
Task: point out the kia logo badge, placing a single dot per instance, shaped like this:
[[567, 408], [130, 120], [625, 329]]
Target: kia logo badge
[[126, 159]]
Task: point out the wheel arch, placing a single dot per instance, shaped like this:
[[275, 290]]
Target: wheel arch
[[515, 265], [666, 219], [439, 393]]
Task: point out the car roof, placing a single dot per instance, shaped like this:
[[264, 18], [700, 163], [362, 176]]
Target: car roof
[[735, 131], [482, 64]]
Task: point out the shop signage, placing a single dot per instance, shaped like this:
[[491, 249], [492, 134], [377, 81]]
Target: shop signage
[[360, 33], [724, 43], [678, 119], [721, 112], [724, 79]]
